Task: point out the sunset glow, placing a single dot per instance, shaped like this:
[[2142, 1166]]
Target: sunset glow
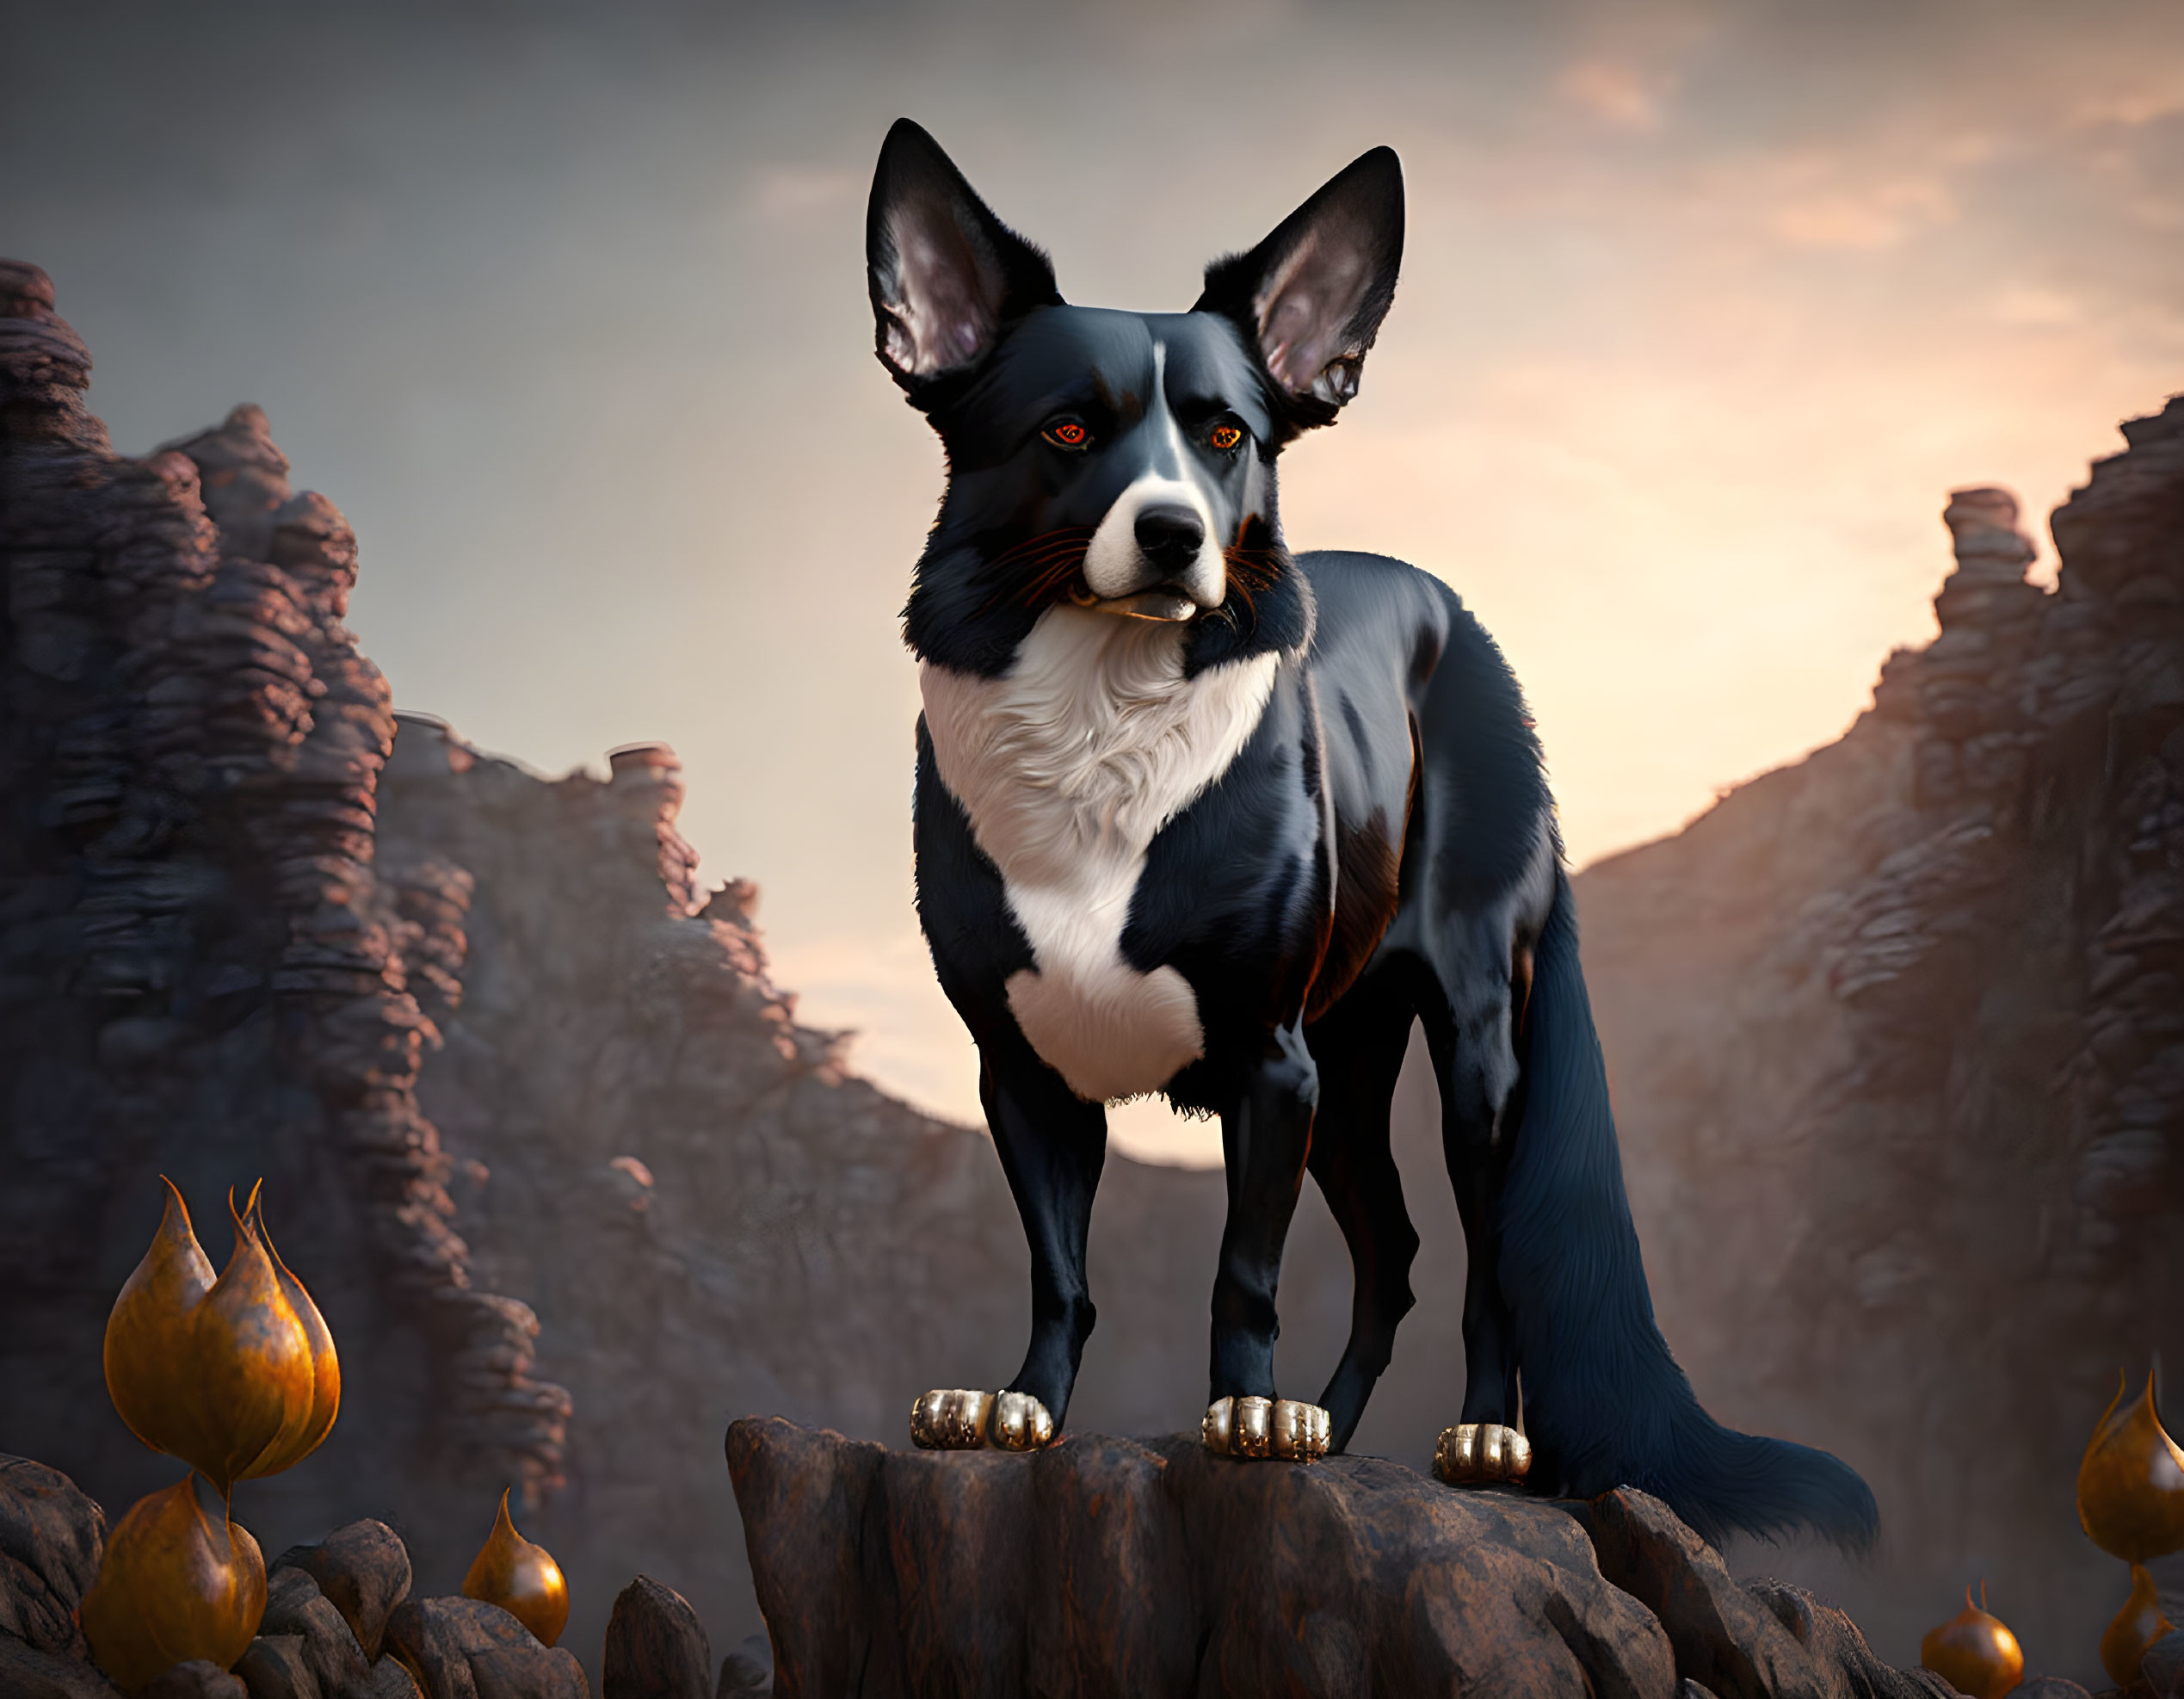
[[1705, 309]]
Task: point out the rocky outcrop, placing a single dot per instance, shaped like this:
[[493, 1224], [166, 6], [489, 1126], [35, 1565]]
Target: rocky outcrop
[[200, 971], [1898, 1043], [569, 1179], [1105, 1566]]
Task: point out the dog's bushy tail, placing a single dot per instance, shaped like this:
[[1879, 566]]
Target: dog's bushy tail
[[1605, 1404]]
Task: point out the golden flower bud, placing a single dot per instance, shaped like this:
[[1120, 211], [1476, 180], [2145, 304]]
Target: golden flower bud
[[304, 1433], [223, 1374], [2131, 1483], [1974, 1652], [522, 1578], [147, 1335], [173, 1585]]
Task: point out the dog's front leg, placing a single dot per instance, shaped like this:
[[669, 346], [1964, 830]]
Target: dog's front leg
[[1052, 1146], [1264, 1141]]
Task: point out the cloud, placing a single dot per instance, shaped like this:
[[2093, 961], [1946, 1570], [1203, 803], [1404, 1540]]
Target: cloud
[[2029, 306], [1618, 95], [785, 192], [1871, 215]]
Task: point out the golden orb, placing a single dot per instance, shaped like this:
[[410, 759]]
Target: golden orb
[[1974, 1652]]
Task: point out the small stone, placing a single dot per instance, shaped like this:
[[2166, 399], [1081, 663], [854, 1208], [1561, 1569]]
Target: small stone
[[27, 1673], [51, 1539], [199, 1678], [389, 1680], [1836, 1645], [463, 1647], [275, 1668], [1724, 1638], [295, 1606], [655, 1646], [748, 1672], [363, 1569], [2162, 1667]]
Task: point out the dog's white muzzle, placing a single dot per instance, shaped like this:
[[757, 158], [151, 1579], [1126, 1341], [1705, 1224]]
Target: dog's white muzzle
[[1119, 579]]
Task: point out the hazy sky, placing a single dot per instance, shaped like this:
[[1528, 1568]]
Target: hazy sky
[[1704, 308]]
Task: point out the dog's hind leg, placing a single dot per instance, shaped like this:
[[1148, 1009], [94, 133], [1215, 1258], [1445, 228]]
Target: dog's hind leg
[[1471, 1030], [1052, 1146], [1360, 1046]]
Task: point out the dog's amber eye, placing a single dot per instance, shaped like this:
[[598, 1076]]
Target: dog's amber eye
[[1225, 436], [1067, 433]]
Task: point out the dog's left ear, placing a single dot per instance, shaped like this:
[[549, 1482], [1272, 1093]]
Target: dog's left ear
[[1311, 296], [946, 274]]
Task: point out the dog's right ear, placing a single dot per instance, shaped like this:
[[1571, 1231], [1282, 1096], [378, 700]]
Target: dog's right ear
[[946, 273], [1310, 298]]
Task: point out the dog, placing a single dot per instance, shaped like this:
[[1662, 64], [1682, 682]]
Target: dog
[[1197, 817]]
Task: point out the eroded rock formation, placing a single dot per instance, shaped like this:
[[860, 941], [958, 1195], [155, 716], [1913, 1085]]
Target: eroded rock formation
[[569, 1180], [1148, 1568], [1897, 1039], [199, 969]]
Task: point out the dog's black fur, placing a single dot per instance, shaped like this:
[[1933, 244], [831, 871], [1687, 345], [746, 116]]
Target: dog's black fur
[[1382, 849]]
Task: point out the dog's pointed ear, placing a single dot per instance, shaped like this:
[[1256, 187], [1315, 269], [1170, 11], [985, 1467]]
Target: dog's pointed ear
[[1310, 298], [946, 274]]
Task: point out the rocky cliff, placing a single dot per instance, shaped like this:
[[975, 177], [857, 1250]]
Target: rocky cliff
[[1897, 1036], [571, 1184]]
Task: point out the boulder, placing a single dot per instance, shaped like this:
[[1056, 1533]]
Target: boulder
[[2162, 1667], [27, 1673], [655, 1646], [362, 1570], [199, 1679], [1768, 1640], [51, 1537], [296, 1611], [274, 1667], [464, 1649], [748, 1672], [1836, 1645]]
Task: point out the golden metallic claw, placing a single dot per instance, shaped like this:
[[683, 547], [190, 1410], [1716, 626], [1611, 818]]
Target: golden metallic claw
[[1019, 1423], [1300, 1430], [950, 1420], [1475, 1452], [1266, 1427]]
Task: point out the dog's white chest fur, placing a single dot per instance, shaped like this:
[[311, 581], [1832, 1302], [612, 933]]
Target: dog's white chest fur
[[1067, 765]]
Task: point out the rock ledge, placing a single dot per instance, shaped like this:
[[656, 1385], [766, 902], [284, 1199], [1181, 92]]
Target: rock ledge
[[1109, 1566]]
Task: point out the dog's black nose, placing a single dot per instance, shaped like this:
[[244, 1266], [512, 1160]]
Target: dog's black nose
[[1169, 535]]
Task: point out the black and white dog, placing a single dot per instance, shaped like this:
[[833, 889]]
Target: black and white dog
[[1199, 816]]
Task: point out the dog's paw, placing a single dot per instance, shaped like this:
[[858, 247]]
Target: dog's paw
[[1474, 1453], [963, 1420], [1019, 1423], [952, 1420], [1265, 1427]]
